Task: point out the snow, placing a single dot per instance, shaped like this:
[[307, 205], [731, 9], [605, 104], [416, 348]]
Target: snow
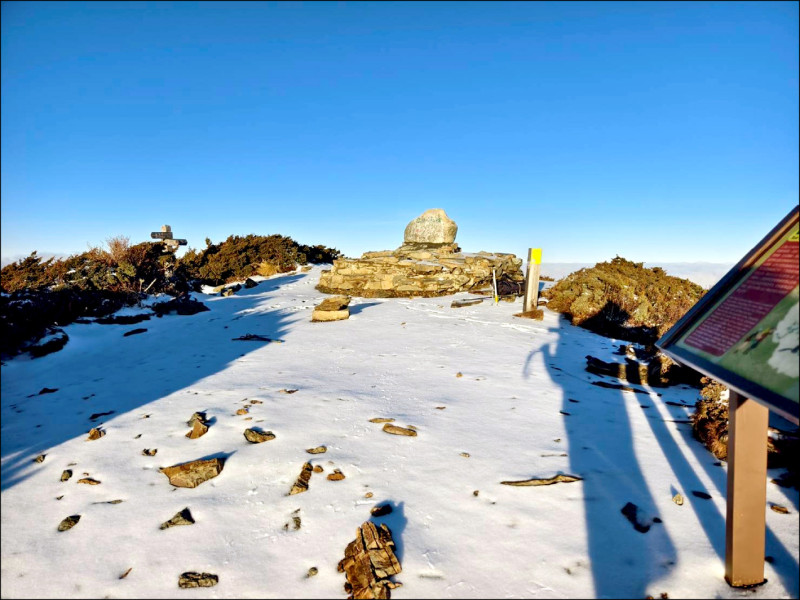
[[396, 358]]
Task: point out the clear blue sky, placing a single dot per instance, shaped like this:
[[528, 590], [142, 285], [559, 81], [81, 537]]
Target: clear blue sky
[[656, 131]]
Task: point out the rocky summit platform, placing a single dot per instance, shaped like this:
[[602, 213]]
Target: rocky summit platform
[[427, 264]]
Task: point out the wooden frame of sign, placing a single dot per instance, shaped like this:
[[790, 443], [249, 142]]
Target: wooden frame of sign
[[744, 333]]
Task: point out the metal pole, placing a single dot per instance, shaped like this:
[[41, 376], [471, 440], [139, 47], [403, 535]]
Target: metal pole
[[745, 523]]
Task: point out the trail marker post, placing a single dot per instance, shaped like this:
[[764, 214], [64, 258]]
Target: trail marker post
[[532, 279], [165, 235], [744, 332]]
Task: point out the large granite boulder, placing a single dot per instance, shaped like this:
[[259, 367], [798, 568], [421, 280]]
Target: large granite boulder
[[431, 227], [421, 266]]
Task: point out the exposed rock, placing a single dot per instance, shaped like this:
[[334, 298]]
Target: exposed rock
[[301, 485], [536, 314], [95, 434], [69, 522], [369, 561], [318, 469], [317, 450], [547, 481], [253, 337], [618, 386], [285, 391], [658, 371], [182, 305], [134, 332], [89, 481], [431, 227], [465, 454], [199, 429], [779, 509], [396, 430], [368, 495], [193, 473], [381, 510], [312, 571], [125, 574], [255, 436], [96, 416], [66, 474], [332, 309], [337, 475], [183, 517], [631, 512], [297, 522], [678, 499], [381, 420], [428, 264], [53, 343], [243, 411], [466, 302], [198, 416], [40, 458], [149, 451], [123, 319], [230, 291], [411, 271], [249, 283], [191, 579]]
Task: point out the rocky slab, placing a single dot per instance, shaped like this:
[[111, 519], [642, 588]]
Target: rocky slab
[[369, 561], [193, 473]]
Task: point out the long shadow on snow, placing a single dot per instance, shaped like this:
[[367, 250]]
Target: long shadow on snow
[[710, 518], [785, 565], [624, 561], [396, 521], [121, 374]]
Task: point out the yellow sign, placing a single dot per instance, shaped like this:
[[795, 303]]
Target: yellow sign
[[535, 256]]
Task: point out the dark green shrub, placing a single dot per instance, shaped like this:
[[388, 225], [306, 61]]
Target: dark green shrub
[[240, 257], [623, 299]]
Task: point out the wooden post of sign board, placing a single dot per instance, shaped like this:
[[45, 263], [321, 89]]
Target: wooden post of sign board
[[745, 522], [532, 279]]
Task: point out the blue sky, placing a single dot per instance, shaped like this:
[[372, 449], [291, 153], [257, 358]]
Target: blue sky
[[654, 131]]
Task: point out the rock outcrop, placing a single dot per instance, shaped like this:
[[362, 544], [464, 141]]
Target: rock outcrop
[[332, 309], [369, 561], [428, 264]]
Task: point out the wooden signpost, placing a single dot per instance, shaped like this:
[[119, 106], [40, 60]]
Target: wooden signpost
[[532, 279], [166, 236], [744, 333]]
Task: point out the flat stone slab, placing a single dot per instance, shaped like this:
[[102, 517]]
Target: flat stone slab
[[192, 579], [397, 430], [193, 473], [545, 481], [321, 316], [254, 436]]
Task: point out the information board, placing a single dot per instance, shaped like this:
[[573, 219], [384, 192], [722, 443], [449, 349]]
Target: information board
[[744, 332]]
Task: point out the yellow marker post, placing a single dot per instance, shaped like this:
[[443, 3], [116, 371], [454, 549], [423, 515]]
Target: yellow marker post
[[532, 279]]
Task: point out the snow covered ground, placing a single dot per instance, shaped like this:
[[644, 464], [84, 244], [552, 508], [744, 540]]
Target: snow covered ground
[[493, 397]]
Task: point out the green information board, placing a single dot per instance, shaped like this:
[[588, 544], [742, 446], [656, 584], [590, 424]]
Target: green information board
[[744, 331]]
